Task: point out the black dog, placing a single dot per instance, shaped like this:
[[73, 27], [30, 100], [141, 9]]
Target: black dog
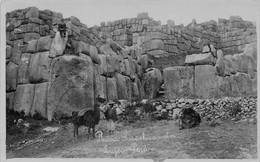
[[189, 118]]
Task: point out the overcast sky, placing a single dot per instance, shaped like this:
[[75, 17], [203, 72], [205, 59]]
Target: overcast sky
[[92, 12]]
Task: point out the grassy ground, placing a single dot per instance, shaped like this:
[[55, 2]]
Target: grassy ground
[[227, 141]]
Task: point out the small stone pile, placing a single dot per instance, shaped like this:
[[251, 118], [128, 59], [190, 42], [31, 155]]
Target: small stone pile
[[211, 109]]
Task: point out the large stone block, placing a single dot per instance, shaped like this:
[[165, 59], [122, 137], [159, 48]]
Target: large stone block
[[11, 77], [31, 36], [112, 62], [200, 59], [23, 98], [44, 44], [98, 84], [39, 68], [72, 85], [155, 44], [220, 66], [121, 86], [82, 47], [103, 64], [16, 55], [104, 86], [8, 51], [144, 61], [135, 90], [93, 52], [111, 89], [128, 88], [152, 81], [32, 46], [40, 99], [179, 81], [23, 70], [205, 80], [32, 12]]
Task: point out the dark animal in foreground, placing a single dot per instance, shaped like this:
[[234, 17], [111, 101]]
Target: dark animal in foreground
[[88, 117], [189, 118], [111, 116]]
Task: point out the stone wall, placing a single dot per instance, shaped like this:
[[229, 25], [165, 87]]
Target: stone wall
[[124, 59], [54, 76]]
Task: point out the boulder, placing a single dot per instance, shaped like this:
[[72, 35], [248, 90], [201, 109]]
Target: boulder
[[178, 81], [11, 77], [200, 59], [44, 44], [58, 45], [23, 98], [23, 70], [39, 104], [152, 81], [39, 68], [111, 89], [72, 85]]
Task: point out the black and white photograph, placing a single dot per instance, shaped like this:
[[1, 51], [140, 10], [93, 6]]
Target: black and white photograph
[[154, 80]]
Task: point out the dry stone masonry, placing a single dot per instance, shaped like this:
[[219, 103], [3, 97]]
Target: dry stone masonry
[[125, 59]]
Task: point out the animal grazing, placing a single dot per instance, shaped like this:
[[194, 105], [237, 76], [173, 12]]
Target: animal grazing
[[189, 118], [88, 117]]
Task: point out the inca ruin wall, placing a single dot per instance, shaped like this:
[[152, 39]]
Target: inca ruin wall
[[124, 59]]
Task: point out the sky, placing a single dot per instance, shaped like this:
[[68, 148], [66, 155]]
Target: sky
[[92, 12]]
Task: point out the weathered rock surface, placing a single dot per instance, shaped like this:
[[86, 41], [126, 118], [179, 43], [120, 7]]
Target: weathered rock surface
[[178, 81], [71, 85], [121, 86], [23, 98], [39, 104], [11, 77], [152, 81], [112, 92], [39, 68], [23, 69], [200, 59]]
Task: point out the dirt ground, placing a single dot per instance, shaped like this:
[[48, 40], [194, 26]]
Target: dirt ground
[[144, 139]]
